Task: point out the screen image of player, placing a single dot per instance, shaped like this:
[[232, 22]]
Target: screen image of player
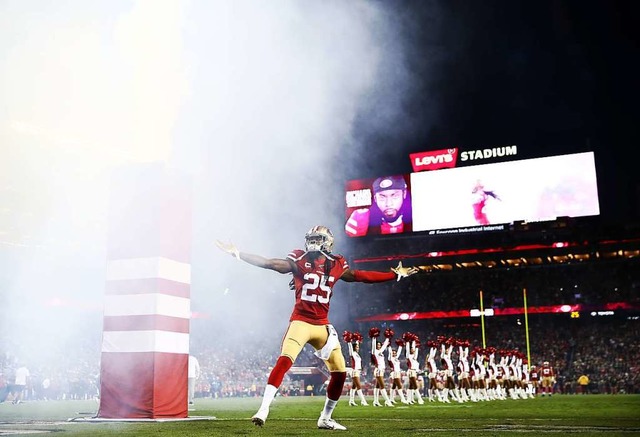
[[378, 206], [538, 189]]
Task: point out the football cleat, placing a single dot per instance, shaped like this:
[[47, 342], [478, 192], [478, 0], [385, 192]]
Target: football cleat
[[330, 424], [260, 417]]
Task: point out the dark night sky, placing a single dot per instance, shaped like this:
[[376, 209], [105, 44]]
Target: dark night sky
[[553, 77]]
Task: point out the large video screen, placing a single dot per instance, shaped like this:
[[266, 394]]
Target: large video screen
[[474, 198]]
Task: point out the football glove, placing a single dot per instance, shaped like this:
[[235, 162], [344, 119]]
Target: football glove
[[403, 272], [230, 248]]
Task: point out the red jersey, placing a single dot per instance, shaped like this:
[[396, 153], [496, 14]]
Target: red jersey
[[480, 199], [388, 228], [313, 284], [533, 375]]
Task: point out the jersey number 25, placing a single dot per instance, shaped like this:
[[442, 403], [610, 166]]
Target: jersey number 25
[[316, 288]]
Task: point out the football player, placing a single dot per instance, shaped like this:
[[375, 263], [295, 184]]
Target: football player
[[315, 271], [548, 378], [479, 201]]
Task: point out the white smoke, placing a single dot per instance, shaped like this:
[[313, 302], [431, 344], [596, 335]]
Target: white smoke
[[255, 101]]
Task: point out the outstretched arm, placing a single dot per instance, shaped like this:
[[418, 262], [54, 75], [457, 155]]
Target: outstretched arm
[[492, 194], [277, 264], [384, 345], [366, 276]]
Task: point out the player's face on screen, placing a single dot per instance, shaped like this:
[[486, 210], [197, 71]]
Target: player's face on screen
[[390, 201]]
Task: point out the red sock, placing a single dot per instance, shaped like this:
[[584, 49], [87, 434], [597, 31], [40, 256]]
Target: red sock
[[336, 383], [279, 370]]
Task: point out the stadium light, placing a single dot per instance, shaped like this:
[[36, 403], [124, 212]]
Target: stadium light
[[477, 313]]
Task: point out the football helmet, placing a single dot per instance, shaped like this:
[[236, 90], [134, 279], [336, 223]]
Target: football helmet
[[319, 239]]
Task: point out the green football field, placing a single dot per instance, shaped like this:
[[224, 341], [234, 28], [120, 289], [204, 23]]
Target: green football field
[[584, 415]]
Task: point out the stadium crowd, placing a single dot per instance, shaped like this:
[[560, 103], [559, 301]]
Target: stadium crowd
[[605, 348], [576, 283], [608, 351]]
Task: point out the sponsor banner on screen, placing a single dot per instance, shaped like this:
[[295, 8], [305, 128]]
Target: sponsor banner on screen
[[451, 157], [488, 153], [434, 159]]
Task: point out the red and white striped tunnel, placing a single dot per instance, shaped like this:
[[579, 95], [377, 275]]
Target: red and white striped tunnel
[[147, 307]]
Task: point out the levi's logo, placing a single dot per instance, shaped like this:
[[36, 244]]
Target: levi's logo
[[434, 159]]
